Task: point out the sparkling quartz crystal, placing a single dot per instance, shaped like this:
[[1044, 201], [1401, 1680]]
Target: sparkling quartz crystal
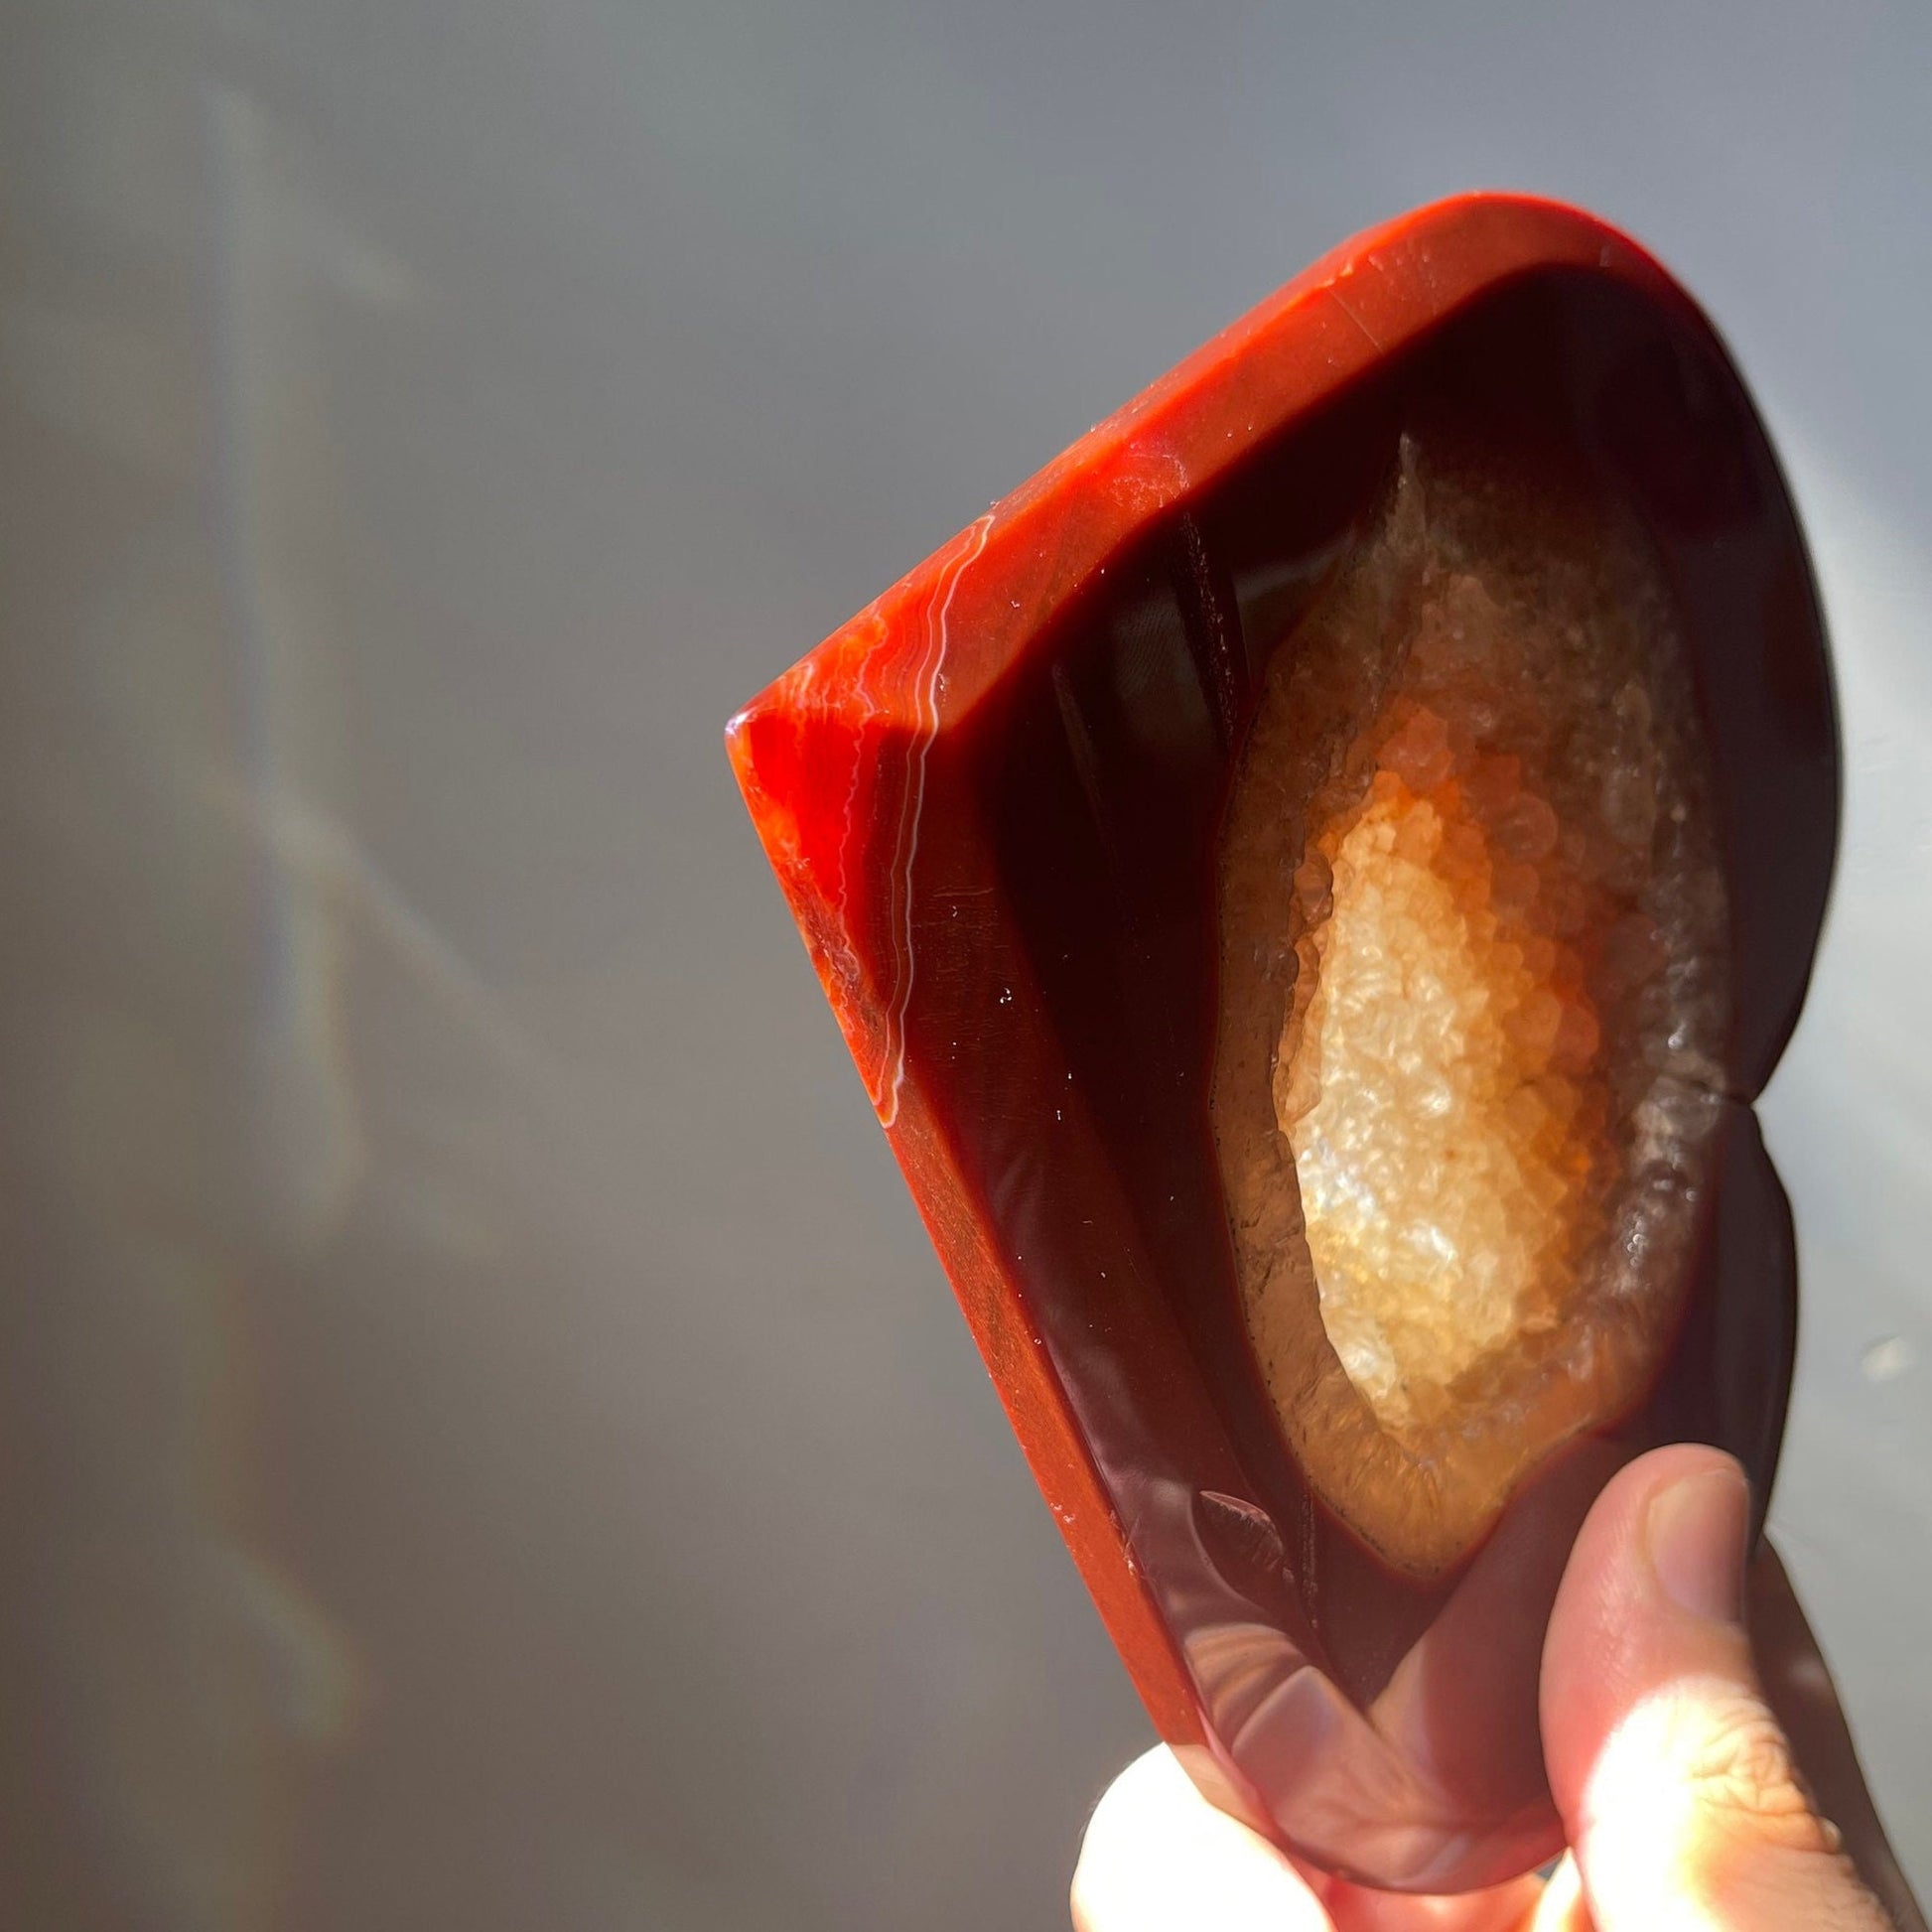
[[1474, 996]]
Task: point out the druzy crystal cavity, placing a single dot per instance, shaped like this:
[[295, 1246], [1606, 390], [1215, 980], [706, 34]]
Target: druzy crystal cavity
[[1473, 998]]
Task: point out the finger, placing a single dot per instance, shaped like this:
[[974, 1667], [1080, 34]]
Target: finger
[[1798, 1687], [1158, 1858], [1675, 1784]]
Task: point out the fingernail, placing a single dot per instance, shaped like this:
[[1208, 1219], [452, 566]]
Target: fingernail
[[1695, 1530]]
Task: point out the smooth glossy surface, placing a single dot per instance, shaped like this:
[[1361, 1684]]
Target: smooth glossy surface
[[992, 800]]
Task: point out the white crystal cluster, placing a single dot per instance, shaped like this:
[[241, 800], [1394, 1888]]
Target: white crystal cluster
[[1498, 1068], [1475, 994]]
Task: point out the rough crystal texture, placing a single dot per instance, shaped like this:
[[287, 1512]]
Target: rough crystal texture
[[1442, 1136], [1473, 999]]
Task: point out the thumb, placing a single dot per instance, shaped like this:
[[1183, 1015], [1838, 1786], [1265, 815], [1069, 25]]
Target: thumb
[[1677, 1786]]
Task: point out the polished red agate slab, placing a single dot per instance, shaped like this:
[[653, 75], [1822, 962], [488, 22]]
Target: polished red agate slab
[[1313, 882]]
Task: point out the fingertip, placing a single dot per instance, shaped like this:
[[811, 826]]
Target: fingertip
[[1157, 1856], [1695, 1527], [1675, 1784], [1651, 1589]]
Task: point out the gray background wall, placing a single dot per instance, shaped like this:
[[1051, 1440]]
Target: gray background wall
[[484, 1442]]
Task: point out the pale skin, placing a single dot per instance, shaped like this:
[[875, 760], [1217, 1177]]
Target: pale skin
[[1687, 1724]]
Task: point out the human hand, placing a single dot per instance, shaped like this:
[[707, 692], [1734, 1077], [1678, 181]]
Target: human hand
[[1672, 1750]]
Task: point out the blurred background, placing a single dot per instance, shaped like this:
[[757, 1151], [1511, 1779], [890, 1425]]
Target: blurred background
[[483, 1441]]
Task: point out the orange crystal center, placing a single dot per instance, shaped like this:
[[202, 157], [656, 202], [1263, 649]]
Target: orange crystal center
[[1474, 996], [1440, 1099]]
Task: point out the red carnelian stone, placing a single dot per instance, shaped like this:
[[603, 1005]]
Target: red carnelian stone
[[993, 802]]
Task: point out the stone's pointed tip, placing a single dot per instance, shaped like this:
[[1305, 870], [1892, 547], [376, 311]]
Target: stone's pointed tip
[[736, 740], [757, 735], [739, 728]]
